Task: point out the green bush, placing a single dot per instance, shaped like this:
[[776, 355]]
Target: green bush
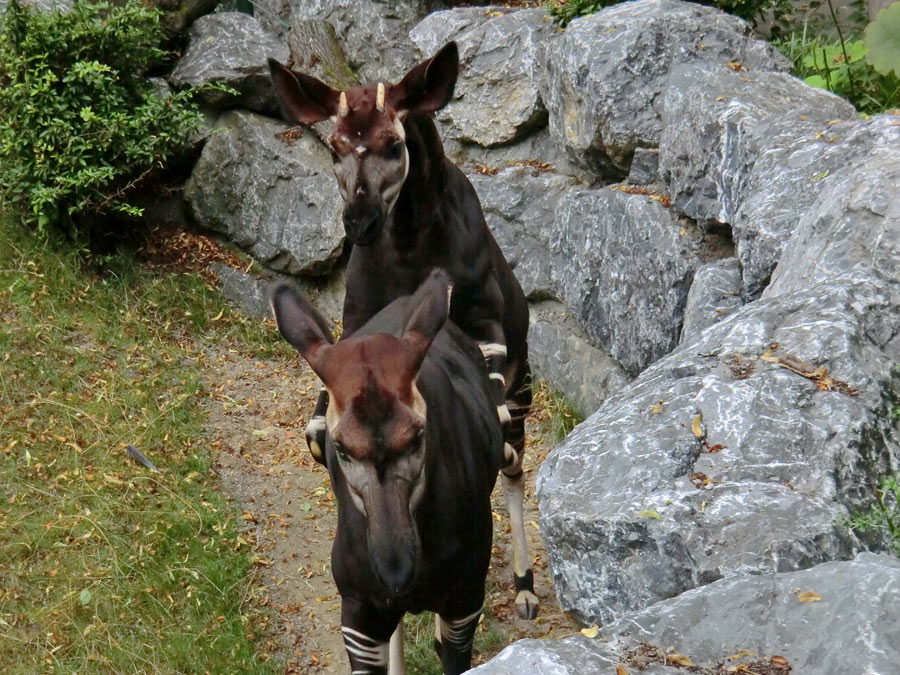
[[80, 124], [565, 11], [884, 516]]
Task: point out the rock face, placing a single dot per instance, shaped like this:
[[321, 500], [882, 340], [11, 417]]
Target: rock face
[[716, 119], [561, 354], [605, 77], [519, 205], [231, 48], [715, 293], [722, 460], [851, 629], [496, 99], [373, 33], [786, 181], [179, 14], [624, 266], [275, 198]]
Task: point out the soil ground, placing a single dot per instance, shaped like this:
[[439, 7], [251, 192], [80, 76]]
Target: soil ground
[[256, 419]]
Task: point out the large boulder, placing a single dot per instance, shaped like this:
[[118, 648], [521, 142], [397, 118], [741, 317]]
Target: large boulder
[[714, 295], [716, 120], [273, 195], [740, 453], [496, 99], [797, 167], [833, 619], [519, 205], [177, 15], [606, 76], [374, 33], [560, 353], [230, 48], [624, 264]]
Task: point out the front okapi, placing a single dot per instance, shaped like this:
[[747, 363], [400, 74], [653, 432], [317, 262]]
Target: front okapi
[[408, 209], [413, 447]]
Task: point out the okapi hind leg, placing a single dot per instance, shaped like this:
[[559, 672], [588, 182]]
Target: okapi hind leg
[[396, 659], [511, 479], [315, 430]]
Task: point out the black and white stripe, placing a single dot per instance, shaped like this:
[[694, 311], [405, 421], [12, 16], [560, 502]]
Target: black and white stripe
[[368, 656]]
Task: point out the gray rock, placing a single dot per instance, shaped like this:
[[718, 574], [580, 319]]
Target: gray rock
[[251, 294], [177, 15], [373, 33], [794, 164], [63, 6], [535, 149], [605, 77], [496, 99], [560, 353], [624, 266], [715, 122], [853, 230], [275, 198], [644, 166], [317, 51], [636, 508], [230, 48], [519, 205], [715, 294], [852, 629]]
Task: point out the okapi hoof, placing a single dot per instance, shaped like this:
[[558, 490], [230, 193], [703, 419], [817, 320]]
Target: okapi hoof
[[527, 603]]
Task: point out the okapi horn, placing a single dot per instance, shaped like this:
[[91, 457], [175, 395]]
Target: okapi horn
[[343, 108], [379, 98]]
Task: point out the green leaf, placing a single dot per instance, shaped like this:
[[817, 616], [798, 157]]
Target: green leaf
[[85, 597], [649, 513], [882, 36], [817, 81]]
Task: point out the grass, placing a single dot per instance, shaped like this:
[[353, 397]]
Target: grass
[[555, 413], [106, 566], [883, 517]]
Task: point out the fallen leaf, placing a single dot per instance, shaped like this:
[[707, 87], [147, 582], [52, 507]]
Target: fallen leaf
[[621, 670], [743, 652], [656, 408], [735, 65], [697, 425], [718, 447], [649, 513], [809, 596], [85, 597], [780, 662], [678, 660], [591, 632]]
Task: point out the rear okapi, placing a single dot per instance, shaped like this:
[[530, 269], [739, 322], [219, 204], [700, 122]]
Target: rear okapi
[[413, 447], [407, 210]]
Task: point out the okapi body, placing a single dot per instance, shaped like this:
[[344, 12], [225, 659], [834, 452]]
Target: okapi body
[[408, 210], [413, 447]]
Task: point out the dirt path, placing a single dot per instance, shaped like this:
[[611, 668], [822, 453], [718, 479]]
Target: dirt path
[[257, 417]]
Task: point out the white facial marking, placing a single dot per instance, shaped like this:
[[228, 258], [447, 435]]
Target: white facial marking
[[343, 108], [379, 98]]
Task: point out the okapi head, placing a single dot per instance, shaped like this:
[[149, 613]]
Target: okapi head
[[375, 418], [368, 145]]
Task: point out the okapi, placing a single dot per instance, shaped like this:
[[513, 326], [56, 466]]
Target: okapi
[[407, 210], [413, 446]]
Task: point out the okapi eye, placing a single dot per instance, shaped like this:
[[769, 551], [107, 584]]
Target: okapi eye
[[394, 150], [341, 453]]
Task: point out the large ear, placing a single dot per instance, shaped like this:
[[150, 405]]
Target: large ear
[[304, 98], [428, 86], [429, 308], [301, 325]]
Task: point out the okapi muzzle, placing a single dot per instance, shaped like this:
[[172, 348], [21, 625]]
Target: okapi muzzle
[[376, 421], [368, 145]]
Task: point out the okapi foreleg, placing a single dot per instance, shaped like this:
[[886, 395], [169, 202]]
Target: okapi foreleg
[[454, 643], [511, 479], [495, 358], [368, 656]]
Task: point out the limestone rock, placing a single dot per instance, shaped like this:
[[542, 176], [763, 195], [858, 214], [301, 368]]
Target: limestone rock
[[275, 198], [715, 294], [719, 461], [230, 48], [606, 76], [496, 99], [715, 122]]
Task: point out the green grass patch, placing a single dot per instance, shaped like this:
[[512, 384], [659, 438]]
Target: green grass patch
[[106, 566], [556, 415], [883, 518]]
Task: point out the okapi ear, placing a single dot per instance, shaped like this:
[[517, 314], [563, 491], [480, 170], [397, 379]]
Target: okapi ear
[[429, 308], [429, 85], [304, 98], [301, 325]]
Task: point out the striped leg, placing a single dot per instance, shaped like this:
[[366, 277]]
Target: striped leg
[[454, 642], [495, 358], [397, 661], [315, 430], [368, 656], [519, 403]]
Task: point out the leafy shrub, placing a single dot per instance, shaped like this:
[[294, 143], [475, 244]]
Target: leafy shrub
[[80, 124], [883, 40], [884, 516]]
